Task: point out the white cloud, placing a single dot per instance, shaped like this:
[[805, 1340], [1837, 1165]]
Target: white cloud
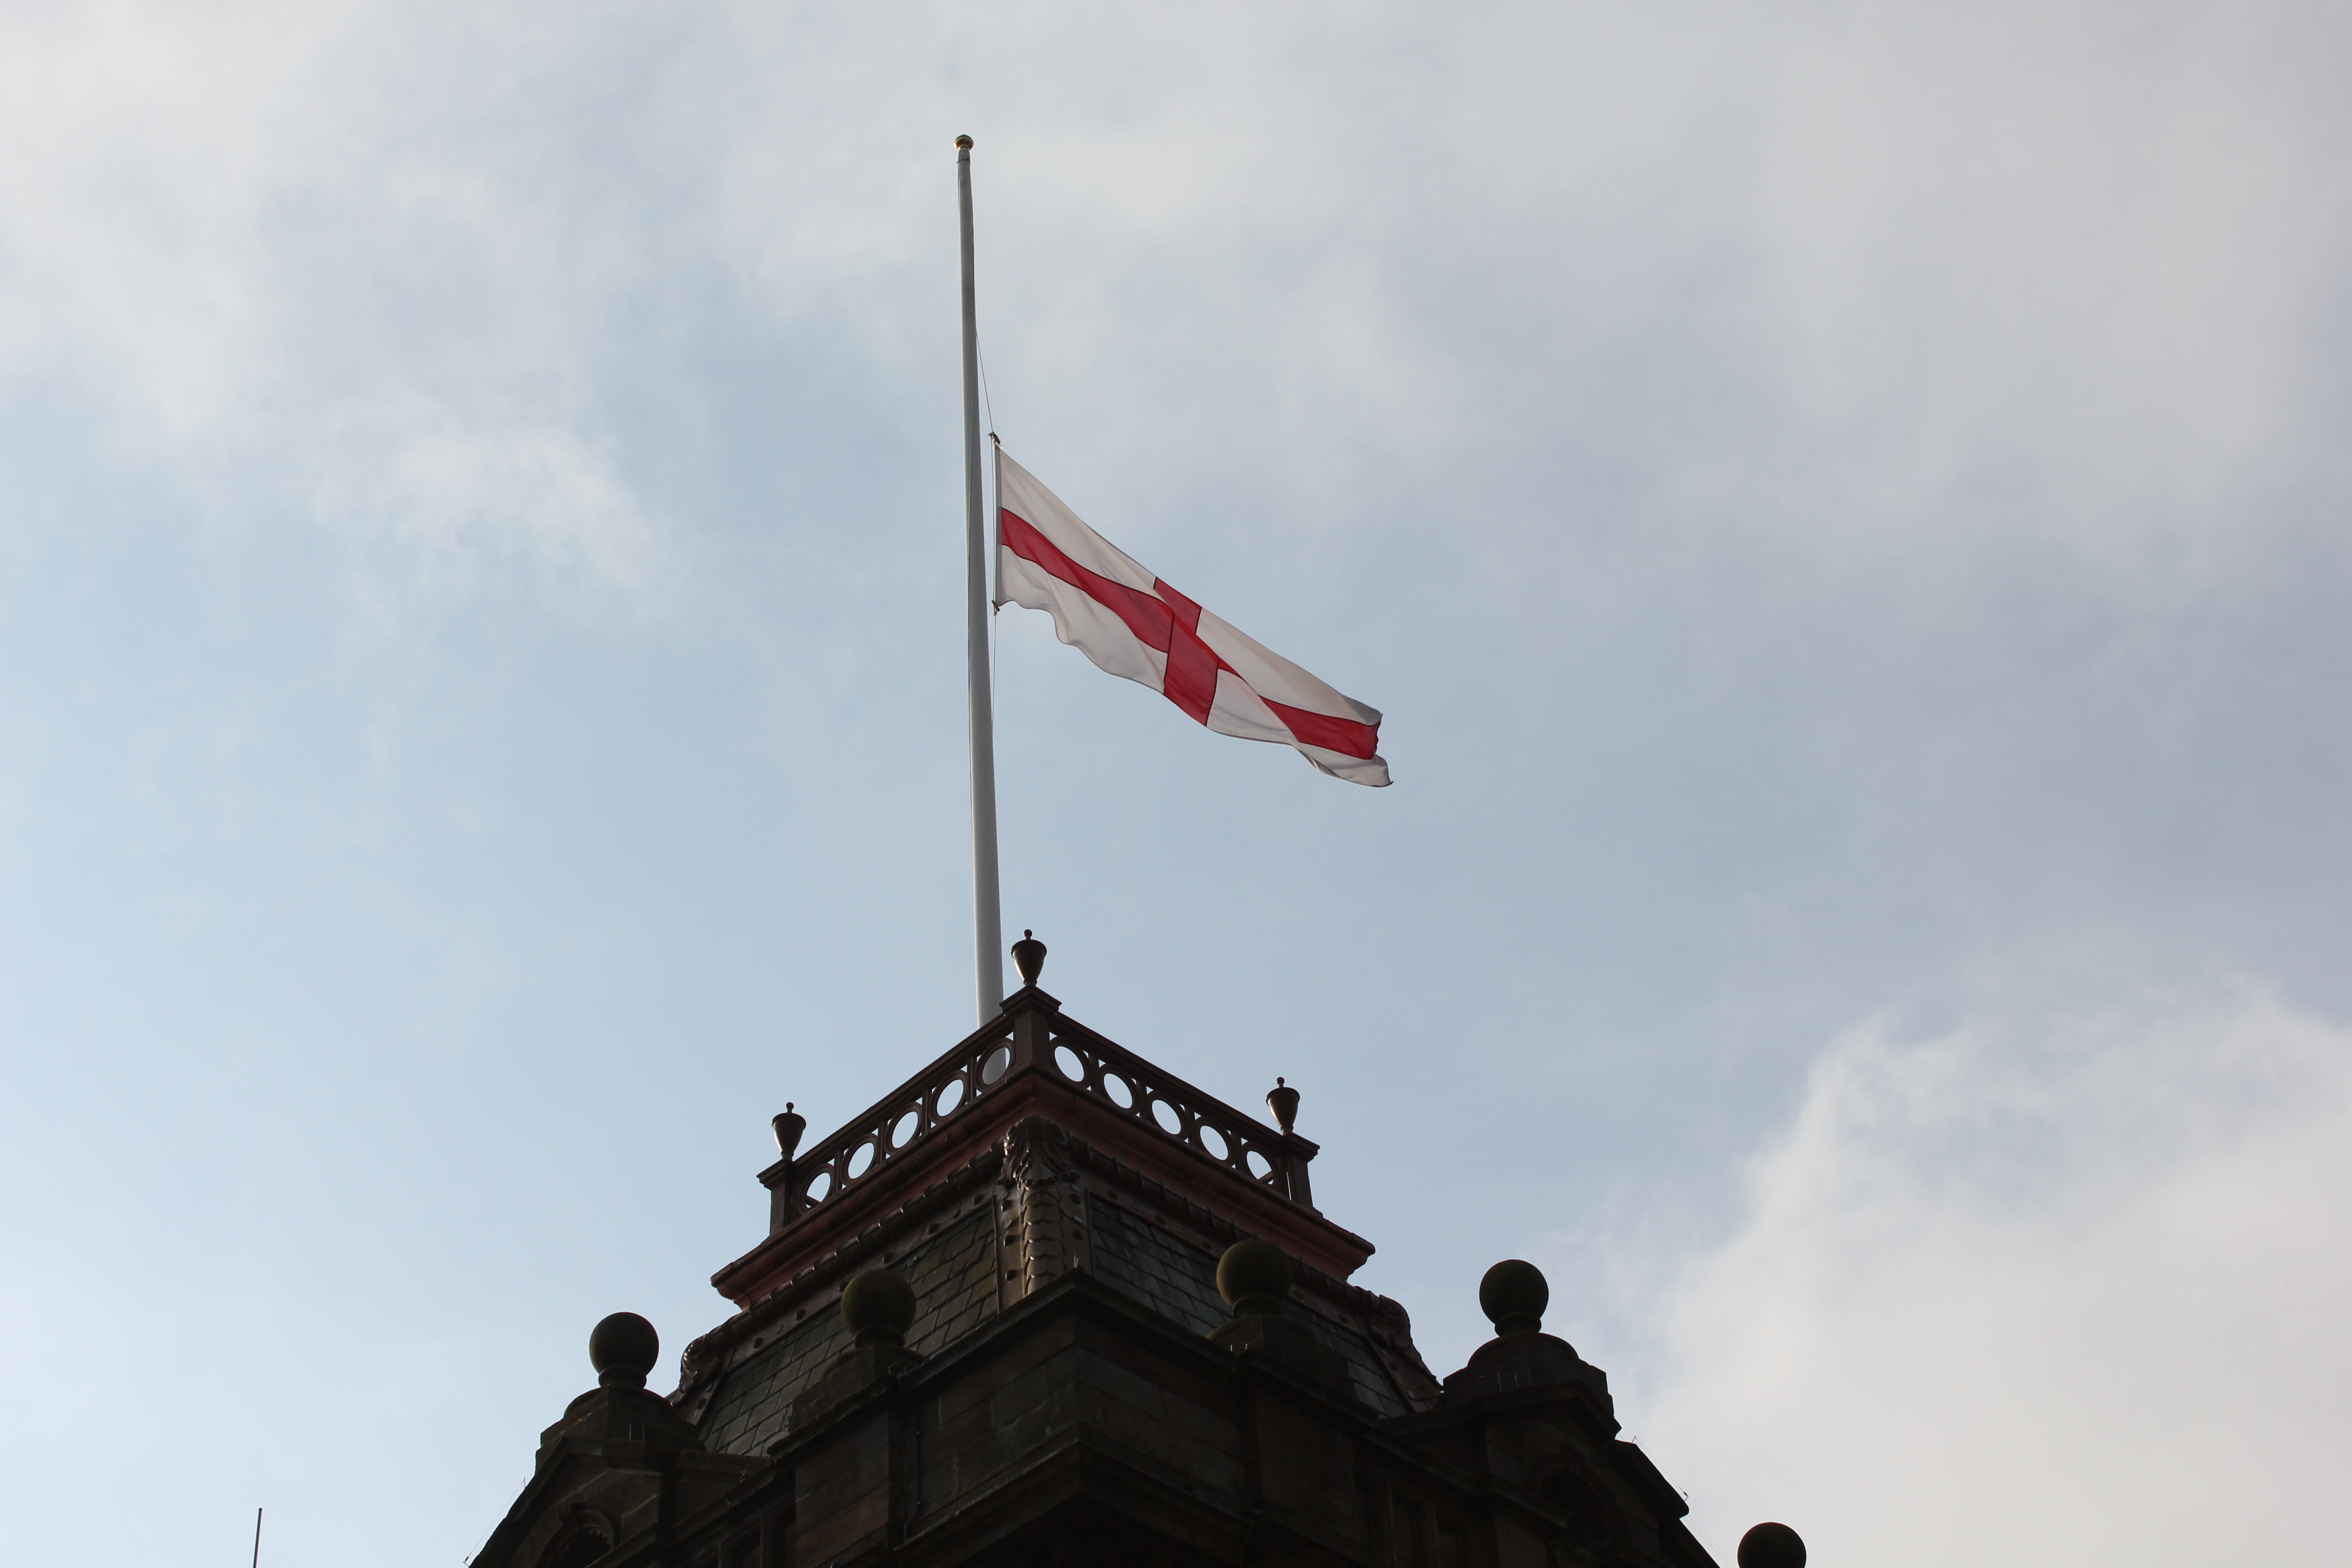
[[1843, 446], [457, 498], [277, 258], [1843, 277], [2073, 1298]]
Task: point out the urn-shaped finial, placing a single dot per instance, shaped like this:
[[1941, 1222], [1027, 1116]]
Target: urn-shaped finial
[[1029, 957], [789, 1128], [1283, 1101]]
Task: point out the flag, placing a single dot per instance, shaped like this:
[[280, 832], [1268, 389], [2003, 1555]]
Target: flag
[[1132, 624]]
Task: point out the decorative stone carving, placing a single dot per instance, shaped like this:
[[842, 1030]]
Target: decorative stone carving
[[1041, 1210], [587, 1536]]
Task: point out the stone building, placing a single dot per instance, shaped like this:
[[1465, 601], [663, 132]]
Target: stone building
[[1047, 1303]]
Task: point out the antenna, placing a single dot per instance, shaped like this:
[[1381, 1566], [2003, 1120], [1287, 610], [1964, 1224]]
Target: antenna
[[257, 1538]]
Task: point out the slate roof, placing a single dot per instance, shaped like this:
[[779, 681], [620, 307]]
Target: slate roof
[[1173, 1277], [1179, 1281], [954, 1277]]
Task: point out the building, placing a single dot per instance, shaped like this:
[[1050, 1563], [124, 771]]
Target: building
[[1045, 1303]]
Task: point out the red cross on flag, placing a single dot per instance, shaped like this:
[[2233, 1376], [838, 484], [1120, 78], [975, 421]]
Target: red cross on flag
[[1132, 624]]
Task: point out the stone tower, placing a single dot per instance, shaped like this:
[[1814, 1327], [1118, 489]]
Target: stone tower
[[1047, 1303]]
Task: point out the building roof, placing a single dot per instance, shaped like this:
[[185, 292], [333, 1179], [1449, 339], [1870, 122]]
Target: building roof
[[1032, 1148]]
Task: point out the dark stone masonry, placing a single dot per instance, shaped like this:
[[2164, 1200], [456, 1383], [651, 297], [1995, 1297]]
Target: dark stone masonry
[[1047, 1304]]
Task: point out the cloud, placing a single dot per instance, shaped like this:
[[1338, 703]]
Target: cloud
[[1926, 244], [1838, 504], [457, 499], [2039, 1297], [274, 257]]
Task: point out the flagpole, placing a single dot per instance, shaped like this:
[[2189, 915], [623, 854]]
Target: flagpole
[[986, 932]]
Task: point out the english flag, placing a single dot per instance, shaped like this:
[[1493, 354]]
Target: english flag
[[1132, 624]]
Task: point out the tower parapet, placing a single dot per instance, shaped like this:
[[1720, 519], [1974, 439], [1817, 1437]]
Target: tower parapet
[[1046, 1298]]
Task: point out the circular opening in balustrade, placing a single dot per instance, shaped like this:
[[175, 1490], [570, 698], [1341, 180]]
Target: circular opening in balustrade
[[1259, 1165], [1120, 1095], [903, 1132], [1073, 1065], [998, 1060], [1213, 1140], [863, 1161], [950, 1098], [1170, 1122], [820, 1188]]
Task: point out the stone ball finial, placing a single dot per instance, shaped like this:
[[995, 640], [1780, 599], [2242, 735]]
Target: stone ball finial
[[1283, 1101], [622, 1349], [1514, 1294], [1771, 1545], [789, 1126], [878, 1307], [1254, 1276], [1029, 957]]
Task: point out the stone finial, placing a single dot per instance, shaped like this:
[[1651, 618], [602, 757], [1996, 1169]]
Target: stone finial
[[1254, 1276], [1521, 1355], [1771, 1545], [877, 1308], [1283, 1101], [1029, 957], [1514, 1295], [622, 1349], [789, 1128]]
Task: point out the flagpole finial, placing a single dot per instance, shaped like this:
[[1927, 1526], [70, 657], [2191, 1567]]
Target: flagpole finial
[[964, 142]]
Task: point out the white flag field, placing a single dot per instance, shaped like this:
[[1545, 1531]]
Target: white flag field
[[1132, 624]]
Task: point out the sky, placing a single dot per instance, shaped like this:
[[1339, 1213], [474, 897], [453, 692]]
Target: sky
[[1842, 508]]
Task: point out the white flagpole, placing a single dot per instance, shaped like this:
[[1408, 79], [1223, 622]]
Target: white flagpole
[[986, 930]]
